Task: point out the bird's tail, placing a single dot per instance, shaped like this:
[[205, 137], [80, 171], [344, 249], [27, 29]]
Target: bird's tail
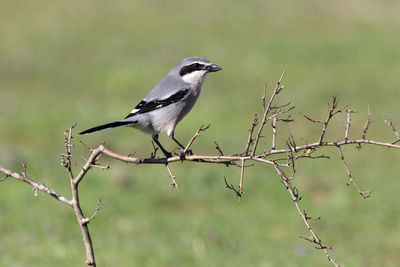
[[107, 125]]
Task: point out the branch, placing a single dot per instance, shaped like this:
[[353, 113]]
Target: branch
[[280, 158], [231, 187], [332, 112], [367, 123], [250, 138], [364, 194], [35, 185], [267, 109], [194, 137], [174, 184], [295, 197], [389, 122]]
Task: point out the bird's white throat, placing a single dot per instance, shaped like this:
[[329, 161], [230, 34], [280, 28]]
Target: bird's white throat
[[195, 76]]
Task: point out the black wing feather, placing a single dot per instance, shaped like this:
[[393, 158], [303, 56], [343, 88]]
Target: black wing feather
[[144, 107]]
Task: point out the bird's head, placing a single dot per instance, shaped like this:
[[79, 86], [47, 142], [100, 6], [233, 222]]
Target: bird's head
[[194, 69]]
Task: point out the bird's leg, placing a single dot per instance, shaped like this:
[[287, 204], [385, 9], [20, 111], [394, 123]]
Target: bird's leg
[[182, 150], [166, 153]]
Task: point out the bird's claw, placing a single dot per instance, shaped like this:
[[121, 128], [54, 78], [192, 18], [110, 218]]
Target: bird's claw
[[182, 153], [168, 154]]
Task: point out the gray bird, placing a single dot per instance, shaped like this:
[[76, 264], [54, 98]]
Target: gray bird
[[168, 102]]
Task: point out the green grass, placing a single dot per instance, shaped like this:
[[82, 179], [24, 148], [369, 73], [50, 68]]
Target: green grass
[[92, 61]]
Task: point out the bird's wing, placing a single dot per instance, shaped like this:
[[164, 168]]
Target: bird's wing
[[147, 106], [167, 92]]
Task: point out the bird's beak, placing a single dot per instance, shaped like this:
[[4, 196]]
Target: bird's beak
[[213, 68]]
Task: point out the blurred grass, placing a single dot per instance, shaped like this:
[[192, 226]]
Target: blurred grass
[[91, 61]]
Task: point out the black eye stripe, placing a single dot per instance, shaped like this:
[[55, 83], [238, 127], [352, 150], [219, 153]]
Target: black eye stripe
[[192, 67]]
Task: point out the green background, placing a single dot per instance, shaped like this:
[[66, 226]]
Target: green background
[[91, 62]]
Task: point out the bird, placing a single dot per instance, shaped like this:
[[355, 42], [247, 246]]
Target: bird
[[168, 102]]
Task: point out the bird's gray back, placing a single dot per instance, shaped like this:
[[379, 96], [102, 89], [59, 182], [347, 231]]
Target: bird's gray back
[[170, 85]]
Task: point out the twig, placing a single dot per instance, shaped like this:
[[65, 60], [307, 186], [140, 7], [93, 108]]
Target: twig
[[267, 109], [99, 206], [332, 111], [346, 134], [241, 179], [251, 130], [218, 148], [312, 120], [273, 133], [295, 197], [311, 218], [367, 123], [174, 183], [33, 184], [231, 187], [194, 137], [364, 194], [389, 122]]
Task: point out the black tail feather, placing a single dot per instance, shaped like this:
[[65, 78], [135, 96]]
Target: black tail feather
[[105, 126]]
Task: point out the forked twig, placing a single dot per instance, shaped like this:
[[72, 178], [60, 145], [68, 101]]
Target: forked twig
[[390, 124], [231, 187]]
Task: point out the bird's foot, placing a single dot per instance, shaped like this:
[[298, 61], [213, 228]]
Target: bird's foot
[[182, 154], [167, 154]]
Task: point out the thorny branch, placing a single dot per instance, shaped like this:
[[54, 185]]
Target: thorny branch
[[364, 194], [281, 159], [294, 193], [267, 109]]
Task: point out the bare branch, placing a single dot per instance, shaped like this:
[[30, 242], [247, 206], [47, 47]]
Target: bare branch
[[273, 133], [35, 185], [332, 111], [88, 220], [312, 120], [218, 148], [346, 134], [174, 183], [295, 197], [311, 218], [231, 187], [364, 194], [251, 130], [390, 124], [241, 179], [194, 137], [287, 157], [267, 109], [367, 123]]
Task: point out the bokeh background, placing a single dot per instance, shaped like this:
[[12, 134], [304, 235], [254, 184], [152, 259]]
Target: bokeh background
[[91, 61]]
